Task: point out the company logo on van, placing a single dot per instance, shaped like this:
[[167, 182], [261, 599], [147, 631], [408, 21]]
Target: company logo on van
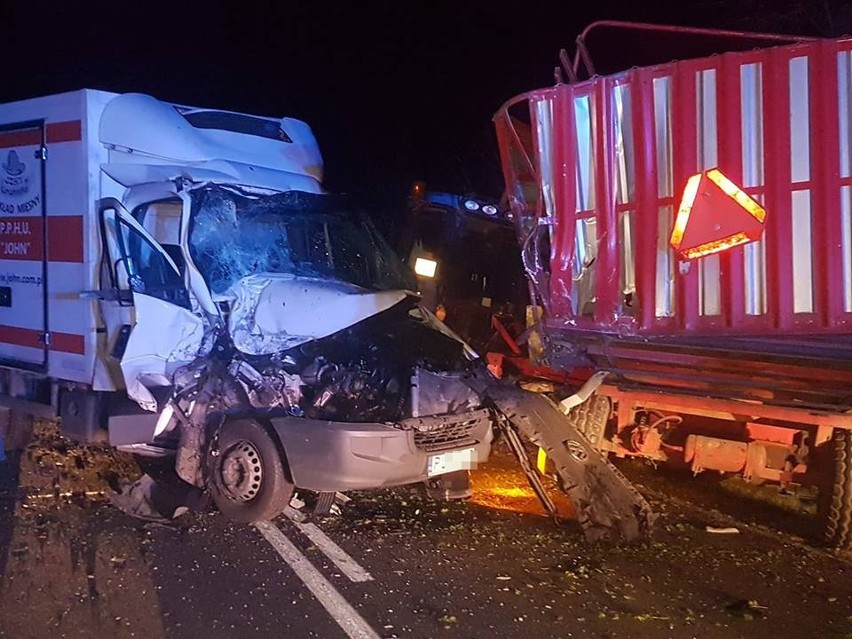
[[13, 165], [15, 181]]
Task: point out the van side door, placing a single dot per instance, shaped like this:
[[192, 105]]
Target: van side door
[[136, 271]]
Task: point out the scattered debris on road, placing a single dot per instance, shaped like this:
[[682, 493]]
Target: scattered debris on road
[[729, 530]]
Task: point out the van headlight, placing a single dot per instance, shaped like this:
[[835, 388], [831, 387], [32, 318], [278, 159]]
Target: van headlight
[[425, 267]]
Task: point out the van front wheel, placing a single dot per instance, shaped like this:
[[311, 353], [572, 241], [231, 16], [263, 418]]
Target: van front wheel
[[247, 476]]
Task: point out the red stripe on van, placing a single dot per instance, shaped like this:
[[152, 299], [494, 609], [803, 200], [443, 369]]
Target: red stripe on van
[[67, 343], [71, 131], [21, 137], [21, 238], [65, 238], [32, 338]]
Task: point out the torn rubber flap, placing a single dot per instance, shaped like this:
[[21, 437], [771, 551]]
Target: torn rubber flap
[[607, 505]]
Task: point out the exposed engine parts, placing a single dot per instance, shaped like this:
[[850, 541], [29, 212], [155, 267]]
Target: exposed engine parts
[[353, 377], [271, 388], [361, 374], [323, 389]]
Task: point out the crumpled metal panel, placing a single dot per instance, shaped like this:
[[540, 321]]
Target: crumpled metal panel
[[272, 313], [166, 337]]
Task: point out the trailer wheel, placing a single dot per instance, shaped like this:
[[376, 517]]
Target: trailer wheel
[[247, 475], [591, 418], [836, 502]]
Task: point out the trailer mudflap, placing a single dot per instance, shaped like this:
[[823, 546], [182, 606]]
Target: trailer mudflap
[[607, 505]]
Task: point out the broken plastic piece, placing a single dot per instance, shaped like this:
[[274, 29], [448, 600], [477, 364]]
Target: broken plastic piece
[[722, 531], [607, 505], [586, 391], [158, 500]]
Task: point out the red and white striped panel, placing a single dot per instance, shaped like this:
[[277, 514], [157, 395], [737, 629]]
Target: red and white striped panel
[[28, 238]]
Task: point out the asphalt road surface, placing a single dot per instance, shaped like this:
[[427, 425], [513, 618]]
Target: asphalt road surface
[[394, 564]]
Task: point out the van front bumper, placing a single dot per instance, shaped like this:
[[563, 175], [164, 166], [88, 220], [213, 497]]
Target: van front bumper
[[336, 456]]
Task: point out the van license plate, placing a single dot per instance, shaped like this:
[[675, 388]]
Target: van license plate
[[451, 461]]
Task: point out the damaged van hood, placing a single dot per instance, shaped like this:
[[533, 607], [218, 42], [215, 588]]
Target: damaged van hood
[[396, 363], [273, 312]]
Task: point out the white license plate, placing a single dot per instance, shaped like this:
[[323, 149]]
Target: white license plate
[[451, 461]]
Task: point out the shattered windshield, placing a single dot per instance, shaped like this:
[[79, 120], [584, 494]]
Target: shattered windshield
[[233, 234]]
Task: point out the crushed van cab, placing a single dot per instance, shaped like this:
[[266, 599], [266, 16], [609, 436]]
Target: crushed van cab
[[313, 344]]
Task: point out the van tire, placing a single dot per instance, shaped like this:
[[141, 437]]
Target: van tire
[[836, 496], [247, 475]]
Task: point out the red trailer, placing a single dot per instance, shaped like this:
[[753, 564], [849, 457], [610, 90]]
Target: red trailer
[[731, 354]]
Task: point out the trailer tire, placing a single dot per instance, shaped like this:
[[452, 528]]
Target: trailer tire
[[591, 418], [836, 503], [247, 473]]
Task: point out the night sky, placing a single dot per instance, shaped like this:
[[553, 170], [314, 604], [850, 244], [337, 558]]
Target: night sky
[[394, 91]]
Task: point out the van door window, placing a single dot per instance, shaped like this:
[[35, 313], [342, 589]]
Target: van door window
[[162, 220], [148, 270]]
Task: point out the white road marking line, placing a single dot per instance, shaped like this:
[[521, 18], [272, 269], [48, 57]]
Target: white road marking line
[[341, 611], [338, 556]]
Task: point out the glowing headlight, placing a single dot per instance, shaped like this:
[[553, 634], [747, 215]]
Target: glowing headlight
[[489, 209], [425, 267], [471, 205]]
